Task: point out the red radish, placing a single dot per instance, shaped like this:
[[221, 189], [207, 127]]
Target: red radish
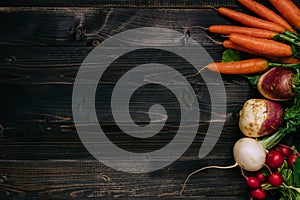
[[291, 159], [258, 193], [253, 182], [261, 177], [255, 120], [277, 84], [275, 179], [284, 150], [274, 159]]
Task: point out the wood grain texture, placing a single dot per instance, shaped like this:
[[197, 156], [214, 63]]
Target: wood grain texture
[[121, 3], [82, 26], [42, 45], [128, 3], [86, 179]]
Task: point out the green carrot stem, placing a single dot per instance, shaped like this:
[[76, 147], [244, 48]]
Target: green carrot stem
[[292, 40], [291, 35], [292, 66]]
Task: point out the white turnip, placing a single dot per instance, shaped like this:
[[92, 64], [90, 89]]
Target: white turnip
[[247, 153], [260, 117]]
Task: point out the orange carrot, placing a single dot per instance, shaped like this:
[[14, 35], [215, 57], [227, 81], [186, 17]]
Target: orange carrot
[[231, 45], [286, 60], [250, 20], [249, 66], [266, 13], [255, 32], [289, 11], [289, 60], [262, 46]]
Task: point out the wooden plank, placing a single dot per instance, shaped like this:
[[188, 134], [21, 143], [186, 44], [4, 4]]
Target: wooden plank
[[128, 3], [42, 179], [42, 156], [60, 141], [59, 65], [84, 26], [121, 3], [86, 179], [41, 118]]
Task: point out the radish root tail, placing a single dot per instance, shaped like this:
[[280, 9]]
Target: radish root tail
[[201, 169]]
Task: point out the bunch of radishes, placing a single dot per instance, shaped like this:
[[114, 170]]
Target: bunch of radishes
[[268, 120], [266, 123], [272, 177]]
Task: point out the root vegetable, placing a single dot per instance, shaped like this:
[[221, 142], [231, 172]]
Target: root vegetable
[[253, 182], [260, 117], [289, 11], [250, 66], [284, 150], [274, 159], [291, 159], [255, 32], [261, 177], [250, 20], [266, 13], [258, 193], [277, 84], [284, 60], [247, 153], [275, 179], [261, 45]]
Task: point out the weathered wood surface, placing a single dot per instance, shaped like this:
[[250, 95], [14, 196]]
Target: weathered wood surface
[[127, 3], [42, 157]]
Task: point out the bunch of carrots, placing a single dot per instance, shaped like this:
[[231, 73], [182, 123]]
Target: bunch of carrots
[[271, 42], [270, 36]]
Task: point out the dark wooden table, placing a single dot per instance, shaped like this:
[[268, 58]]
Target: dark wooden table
[[42, 45]]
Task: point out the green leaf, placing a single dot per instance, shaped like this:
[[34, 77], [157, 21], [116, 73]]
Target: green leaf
[[289, 141], [296, 168], [253, 79], [265, 172], [296, 51], [230, 55]]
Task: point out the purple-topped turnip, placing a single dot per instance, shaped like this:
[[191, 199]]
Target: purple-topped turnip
[[280, 83], [260, 117], [277, 84]]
